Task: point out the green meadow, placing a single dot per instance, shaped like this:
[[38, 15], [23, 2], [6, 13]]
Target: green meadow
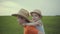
[[9, 25]]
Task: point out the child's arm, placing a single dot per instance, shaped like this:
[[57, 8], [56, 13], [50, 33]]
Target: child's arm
[[34, 24], [38, 23], [31, 24]]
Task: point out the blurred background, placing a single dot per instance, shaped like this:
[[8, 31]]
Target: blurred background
[[50, 10], [47, 7]]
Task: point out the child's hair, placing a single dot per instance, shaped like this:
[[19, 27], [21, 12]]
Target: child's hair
[[37, 14]]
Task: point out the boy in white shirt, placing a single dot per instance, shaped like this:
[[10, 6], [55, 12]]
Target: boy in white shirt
[[36, 21]]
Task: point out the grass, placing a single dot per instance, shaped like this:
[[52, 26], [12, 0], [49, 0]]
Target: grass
[[9, 25]]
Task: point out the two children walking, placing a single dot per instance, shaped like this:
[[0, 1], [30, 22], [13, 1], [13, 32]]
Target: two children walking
[[34, 26]]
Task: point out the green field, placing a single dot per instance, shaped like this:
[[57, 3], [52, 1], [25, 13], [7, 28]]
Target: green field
[[9, 25]]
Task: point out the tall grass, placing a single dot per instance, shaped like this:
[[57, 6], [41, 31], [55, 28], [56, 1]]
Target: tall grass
[[9, 25]]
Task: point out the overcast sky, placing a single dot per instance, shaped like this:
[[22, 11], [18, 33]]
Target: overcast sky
[[47, 7]]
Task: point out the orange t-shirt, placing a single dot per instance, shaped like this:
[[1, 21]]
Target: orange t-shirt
[[30, 30]]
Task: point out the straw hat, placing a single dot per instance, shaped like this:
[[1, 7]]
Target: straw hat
[[24, 13], [36, 11]]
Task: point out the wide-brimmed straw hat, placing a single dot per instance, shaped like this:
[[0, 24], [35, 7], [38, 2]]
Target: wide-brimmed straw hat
[[24, 13], [36, 11]]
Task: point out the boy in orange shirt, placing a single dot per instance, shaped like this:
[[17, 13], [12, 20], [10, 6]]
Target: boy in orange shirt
[[22, 17]]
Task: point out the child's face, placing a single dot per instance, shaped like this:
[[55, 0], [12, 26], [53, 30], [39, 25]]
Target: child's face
[[20, 19], [35, 16]]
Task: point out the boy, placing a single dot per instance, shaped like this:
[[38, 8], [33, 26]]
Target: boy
[[36, 19]]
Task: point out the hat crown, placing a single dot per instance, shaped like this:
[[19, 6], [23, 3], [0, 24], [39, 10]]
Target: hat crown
[[37, 11], [23, 12]]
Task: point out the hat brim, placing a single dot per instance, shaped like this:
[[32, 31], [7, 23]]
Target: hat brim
[[34, 12], [20, 15], [16, 15]]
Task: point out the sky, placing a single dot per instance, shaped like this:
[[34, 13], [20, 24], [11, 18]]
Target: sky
[[47, 7]]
